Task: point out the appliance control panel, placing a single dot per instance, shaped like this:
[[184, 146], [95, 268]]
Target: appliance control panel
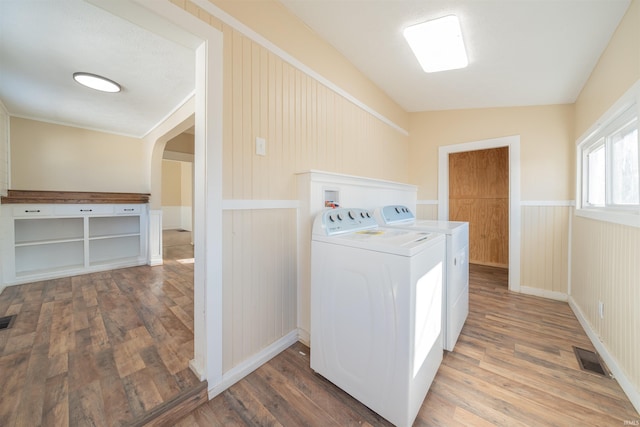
[[343, 220], [396, 214]]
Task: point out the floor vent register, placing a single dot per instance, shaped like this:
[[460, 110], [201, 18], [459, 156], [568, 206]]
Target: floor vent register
[[590, 361], [7, 322]]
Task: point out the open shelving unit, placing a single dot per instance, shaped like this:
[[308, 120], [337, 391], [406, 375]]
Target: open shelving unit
[[52, 240]]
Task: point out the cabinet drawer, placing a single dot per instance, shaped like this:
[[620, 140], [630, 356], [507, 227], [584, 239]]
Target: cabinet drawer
[[128, 209], [32, 210], [83, 209]]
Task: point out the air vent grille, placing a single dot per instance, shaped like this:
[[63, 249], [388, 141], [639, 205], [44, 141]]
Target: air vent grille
[[7, 322], [590, 361]]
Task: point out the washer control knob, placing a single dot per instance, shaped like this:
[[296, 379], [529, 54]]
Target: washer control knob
[[351, 215], [339, 217], [331, 218]]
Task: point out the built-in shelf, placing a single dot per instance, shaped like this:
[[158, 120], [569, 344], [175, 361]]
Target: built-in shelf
[[52, 240]]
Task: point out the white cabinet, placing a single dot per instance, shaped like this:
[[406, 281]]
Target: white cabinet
[[46, 241]]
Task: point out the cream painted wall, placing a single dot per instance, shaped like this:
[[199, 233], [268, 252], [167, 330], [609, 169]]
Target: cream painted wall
[[546, 169], [177, 192], [47, 156], [605, 256], [183, 143], [617, 70], [546, 151], [171, 183]]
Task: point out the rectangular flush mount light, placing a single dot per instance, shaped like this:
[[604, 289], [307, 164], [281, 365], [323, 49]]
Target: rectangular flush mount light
[[438, 44]]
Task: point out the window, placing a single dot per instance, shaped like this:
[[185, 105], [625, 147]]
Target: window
[[608, 179]]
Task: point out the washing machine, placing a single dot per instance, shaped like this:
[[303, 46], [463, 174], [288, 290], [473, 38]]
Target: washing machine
[[376, 310], [455, 308]]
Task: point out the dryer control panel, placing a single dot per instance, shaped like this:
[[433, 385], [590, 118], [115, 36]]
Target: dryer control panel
[[395, 214], [343, 220]]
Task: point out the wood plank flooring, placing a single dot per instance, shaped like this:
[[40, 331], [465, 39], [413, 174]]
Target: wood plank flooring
[[512, 366], [99, 349]]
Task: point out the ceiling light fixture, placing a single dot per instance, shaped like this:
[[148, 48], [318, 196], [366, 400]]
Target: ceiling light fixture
[[438, 44], [96, 82]]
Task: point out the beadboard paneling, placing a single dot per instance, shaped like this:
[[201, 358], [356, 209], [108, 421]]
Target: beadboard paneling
[[545, 248], [427, 211], [306, 126], [606, 267], [259, 280]]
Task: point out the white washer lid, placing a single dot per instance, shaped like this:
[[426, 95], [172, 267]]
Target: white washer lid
[[388, 240]]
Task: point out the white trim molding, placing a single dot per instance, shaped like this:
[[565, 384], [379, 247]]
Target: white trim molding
[[282, 54], [558, 296], [513, 143], [242, 204], [426, 202], [155, 237], [548, 203]]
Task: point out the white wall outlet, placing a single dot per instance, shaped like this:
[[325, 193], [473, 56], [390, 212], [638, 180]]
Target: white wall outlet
[[261, 146], [601, 309]]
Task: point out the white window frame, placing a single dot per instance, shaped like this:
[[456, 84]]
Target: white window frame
[[620, 115]]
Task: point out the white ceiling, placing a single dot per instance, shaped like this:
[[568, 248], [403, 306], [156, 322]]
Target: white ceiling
[[42, 43], [521, 52]]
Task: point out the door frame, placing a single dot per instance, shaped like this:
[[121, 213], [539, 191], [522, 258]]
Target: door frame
[[207, 43], [513, 143]]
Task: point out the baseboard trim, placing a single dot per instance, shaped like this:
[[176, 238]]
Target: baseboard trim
[[240, 371], [156, 261], [619, 375], [304, 337], [558, 296]]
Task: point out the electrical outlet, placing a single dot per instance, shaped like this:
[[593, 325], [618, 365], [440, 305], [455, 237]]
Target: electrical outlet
[[601, 309]]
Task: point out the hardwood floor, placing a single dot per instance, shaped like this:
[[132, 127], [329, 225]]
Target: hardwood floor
[[108, 348], [512, 366]]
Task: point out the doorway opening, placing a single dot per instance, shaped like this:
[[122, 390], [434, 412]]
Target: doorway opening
[[177, 196], [512, 144], [207, 43]]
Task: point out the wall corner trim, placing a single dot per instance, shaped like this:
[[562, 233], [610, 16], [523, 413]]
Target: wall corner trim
[[627, 386]]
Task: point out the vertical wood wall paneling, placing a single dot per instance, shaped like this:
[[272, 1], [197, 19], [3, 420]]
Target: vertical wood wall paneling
[[306, 126], [545, 240], [427, 211], [479, 194], [606, 267]]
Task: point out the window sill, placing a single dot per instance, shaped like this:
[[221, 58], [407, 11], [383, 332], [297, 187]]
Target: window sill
[[629, 218]]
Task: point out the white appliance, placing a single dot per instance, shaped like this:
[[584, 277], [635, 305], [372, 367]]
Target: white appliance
[[455, 300], [376, 310]]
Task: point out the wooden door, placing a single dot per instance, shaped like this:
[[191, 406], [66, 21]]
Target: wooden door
[[479, 194]]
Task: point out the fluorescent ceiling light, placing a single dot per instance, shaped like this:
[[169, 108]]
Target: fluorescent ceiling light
[[438, 44], [96, 82]]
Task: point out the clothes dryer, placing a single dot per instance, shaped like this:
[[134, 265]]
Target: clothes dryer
[[376, 310], [455, 301]]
